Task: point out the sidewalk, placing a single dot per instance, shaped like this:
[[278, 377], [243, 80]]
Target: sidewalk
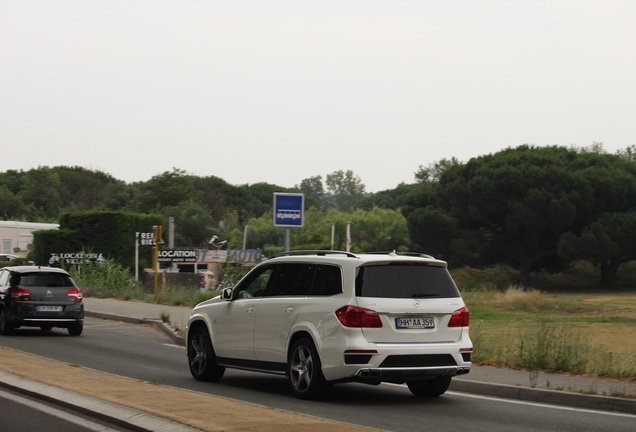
[[144, 405]]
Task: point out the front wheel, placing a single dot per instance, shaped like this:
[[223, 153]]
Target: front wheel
[[431, 388], [201, 357], [305, 372]]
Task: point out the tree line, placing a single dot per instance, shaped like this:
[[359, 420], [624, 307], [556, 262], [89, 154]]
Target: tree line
[[201, 206], [534, 208]]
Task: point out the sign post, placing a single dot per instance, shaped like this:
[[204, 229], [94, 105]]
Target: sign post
[[289, 211], [155, 256]]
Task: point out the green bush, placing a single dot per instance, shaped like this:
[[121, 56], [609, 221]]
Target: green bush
[[107, 279], [497, 277], [108, 232]]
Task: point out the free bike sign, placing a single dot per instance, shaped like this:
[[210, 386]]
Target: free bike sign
[[289, 209]]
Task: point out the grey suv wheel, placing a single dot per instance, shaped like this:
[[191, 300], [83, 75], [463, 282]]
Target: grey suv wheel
[[75, 329], [5, 325]]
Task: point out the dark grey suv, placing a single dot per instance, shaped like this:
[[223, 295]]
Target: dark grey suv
[[44, 297]]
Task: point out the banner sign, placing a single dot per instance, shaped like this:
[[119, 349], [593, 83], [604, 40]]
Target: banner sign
[[245, 255], [178, 255], [76, 257]]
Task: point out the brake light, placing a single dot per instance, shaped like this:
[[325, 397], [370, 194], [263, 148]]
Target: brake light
[[460, 318], [18, 294], [77, 294], [351, 316]]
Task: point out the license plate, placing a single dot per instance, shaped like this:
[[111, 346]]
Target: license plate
[[49, 308], [415, 323]]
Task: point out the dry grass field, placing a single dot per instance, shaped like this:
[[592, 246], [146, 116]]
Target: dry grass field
[[588, 333]]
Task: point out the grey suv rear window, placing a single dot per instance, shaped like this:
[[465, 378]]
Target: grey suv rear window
[[405, 280], [42, 279]]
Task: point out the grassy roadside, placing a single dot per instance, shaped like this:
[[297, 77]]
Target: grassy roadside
[[584, 333]]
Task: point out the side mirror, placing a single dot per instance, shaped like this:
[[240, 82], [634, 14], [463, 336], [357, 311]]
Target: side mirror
[[226, 294]]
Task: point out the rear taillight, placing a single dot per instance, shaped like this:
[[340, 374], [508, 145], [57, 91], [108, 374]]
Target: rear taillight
[[18, 294], [459, 318], [351, 316], [77, 294]]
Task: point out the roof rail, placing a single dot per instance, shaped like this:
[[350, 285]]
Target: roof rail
[[313, 252], [409, 254]]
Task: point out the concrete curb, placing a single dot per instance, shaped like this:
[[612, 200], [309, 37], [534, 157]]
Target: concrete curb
[[117, 415], [577, 400]]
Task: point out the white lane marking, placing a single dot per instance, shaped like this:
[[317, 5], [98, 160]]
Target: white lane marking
[[174, 346], [531, 403], [543, 405]]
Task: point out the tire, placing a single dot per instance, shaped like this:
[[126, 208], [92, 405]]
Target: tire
[[5, 324], [431, 388], [201, 357], [304, 371], [75, 329]]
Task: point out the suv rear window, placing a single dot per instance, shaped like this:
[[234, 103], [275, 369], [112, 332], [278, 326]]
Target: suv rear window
[[42, 279], [405, 280]]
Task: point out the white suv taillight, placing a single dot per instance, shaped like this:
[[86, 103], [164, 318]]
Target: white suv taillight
[[77, 294], [351, 316], [460, 318]]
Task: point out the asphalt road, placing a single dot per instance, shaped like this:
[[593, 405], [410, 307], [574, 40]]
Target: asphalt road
[[144, 353]]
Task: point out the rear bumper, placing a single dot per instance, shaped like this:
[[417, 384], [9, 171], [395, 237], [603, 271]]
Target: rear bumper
[[26, 315], [52, 322], [396, 375], [396, 362]]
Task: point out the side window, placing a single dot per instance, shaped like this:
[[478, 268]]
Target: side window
[[4, 278], [286, 279], [256, 285], [303, 288], [327, 281]]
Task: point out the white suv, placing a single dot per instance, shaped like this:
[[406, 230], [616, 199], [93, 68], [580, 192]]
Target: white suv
[[322, 317]]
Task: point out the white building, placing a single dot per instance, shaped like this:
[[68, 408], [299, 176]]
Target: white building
[[17, 237]]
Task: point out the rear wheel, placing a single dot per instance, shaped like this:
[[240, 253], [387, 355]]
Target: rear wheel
[[201, 357], [305, 371], [430, 388], [75, 329], [5, 325]]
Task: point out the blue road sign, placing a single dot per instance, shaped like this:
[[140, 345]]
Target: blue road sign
[[289, 209]]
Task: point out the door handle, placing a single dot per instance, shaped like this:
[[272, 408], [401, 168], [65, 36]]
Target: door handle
[[249, 309], [289, 309]]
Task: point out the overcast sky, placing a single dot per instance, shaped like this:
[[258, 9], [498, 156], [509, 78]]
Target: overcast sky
[[278, 91]]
